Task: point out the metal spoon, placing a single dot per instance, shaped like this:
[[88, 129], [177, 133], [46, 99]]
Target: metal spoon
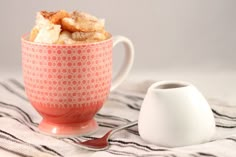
[[102, 143]]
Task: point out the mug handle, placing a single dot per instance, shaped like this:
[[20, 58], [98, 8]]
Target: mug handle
[[128, 62]]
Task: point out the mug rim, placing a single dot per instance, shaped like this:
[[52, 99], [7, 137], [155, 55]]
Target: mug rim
[[24, 39]]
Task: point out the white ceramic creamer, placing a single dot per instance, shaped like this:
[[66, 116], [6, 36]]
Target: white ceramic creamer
[[174, 114]]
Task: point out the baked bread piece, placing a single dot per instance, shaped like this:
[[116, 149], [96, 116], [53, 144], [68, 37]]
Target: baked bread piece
[[65, 37], [61, 27], [55, 17], [82, 22], [47, 28]]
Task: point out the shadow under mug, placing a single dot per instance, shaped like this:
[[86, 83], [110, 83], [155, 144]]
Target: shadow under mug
[[68, 84]]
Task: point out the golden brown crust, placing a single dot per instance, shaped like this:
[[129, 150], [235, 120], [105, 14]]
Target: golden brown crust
[[81, 26], [81, 36], [82, 22], [67, 26], [55, 17]]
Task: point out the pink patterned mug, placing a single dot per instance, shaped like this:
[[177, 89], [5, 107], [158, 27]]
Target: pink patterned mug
[[68, 84]]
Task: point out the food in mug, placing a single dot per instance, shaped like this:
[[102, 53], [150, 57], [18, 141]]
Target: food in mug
[[61, 27]]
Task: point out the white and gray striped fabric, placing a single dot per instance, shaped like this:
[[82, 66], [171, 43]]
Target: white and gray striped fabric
[[19, 135]]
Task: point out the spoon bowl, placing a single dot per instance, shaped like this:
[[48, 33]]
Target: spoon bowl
[[103, 142]]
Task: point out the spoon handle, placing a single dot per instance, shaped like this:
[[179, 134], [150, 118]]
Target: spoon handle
[[123, 127]]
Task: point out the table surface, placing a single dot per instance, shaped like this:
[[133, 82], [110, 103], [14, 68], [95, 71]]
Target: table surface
[[217, 85]]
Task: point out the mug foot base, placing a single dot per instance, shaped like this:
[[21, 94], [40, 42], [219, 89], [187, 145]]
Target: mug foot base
[[70, 129]]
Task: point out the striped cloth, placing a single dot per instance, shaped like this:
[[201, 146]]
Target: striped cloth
[[19, 135]]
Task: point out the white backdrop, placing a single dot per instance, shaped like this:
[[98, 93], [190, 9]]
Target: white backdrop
[[198, 34]]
